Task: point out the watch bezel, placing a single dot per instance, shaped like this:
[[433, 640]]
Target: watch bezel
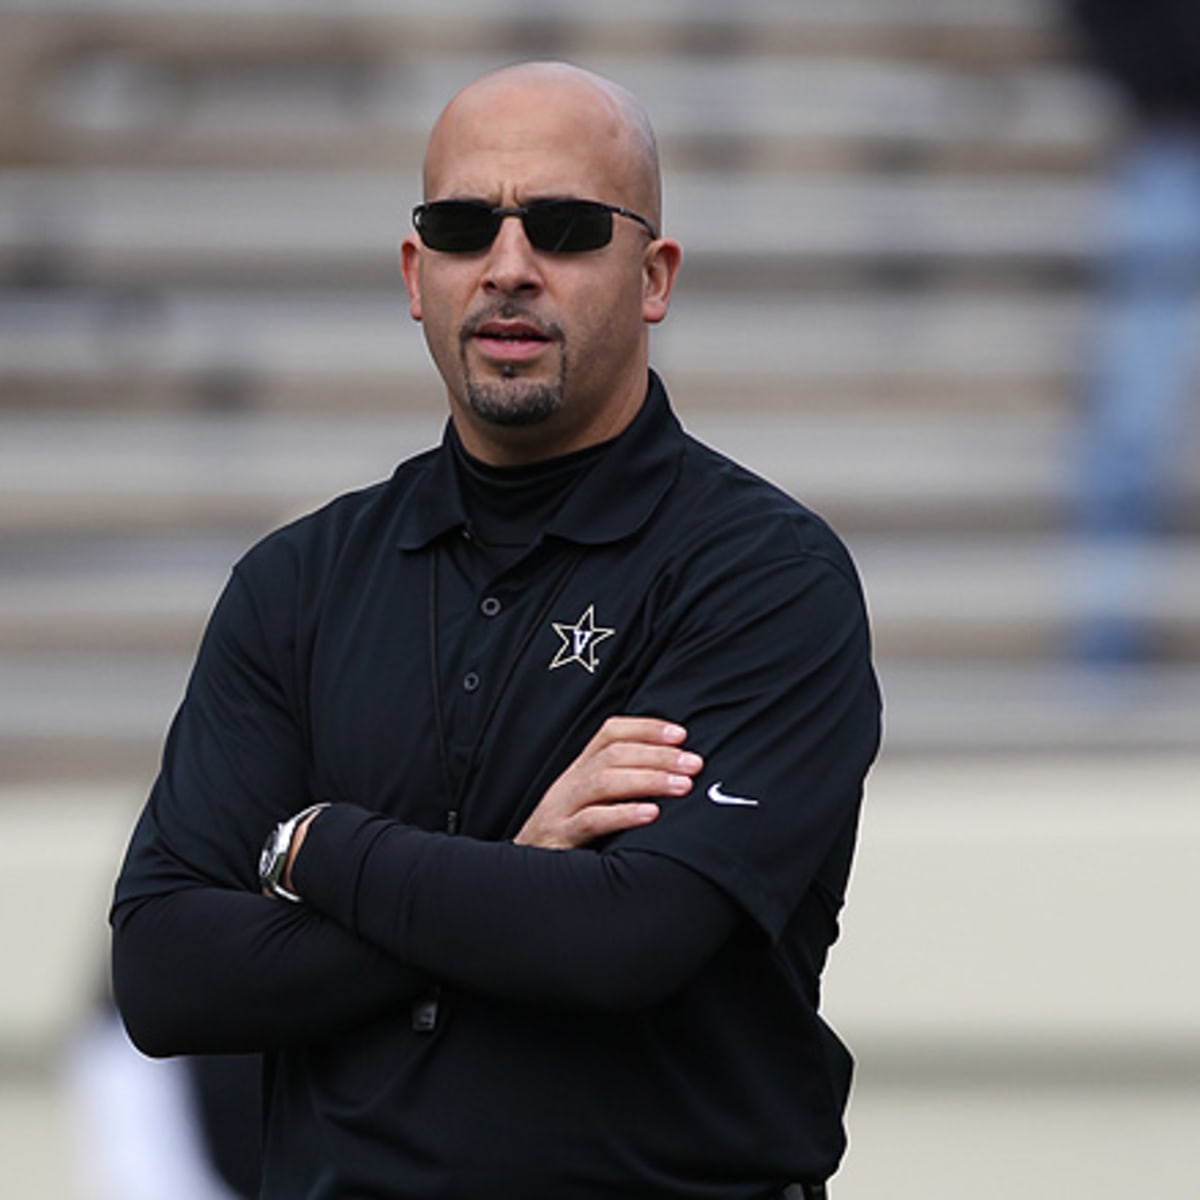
[[272, 860]]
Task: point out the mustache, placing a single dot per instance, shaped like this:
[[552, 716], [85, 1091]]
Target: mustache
[[509, 311]]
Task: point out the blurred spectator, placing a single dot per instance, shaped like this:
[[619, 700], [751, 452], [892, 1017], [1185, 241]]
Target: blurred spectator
[[1144, 360], [184, 1128]]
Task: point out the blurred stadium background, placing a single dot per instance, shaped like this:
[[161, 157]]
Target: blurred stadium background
[[890, 216]]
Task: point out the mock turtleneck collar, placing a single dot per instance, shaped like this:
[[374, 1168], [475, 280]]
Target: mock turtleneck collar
[[614, 487]]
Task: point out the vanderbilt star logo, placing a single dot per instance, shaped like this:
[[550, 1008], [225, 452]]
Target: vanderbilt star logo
[[579, 641]]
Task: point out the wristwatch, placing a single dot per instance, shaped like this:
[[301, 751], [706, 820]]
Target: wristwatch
[[273, 859]]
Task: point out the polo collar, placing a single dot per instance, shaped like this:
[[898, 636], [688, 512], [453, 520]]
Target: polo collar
[[613, 499], [428, 497], [623, 488]]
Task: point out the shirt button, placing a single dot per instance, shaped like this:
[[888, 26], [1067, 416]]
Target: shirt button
[[470, 682], [490, 606]]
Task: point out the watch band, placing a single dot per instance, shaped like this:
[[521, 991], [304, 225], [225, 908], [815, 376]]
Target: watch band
[[273, 860]]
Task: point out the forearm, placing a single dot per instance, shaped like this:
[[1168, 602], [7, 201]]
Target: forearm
[[210, 970], [565, 928]]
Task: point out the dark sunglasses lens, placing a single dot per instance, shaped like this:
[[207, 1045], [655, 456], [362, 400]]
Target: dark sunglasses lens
[[457, 226], [556, 226], [568, 226]]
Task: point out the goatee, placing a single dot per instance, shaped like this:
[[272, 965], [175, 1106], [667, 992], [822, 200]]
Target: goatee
[[514, 402]]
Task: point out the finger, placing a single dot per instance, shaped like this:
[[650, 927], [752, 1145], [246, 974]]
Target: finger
[[633, 755], [648, 730], [600, 820], [628, 783], [627, 771], [624, 773]]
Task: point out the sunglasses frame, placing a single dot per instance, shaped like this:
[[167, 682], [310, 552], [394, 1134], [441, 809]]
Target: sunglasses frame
[[497, 214]]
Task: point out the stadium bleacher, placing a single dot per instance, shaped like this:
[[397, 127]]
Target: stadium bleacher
[[891, 216]]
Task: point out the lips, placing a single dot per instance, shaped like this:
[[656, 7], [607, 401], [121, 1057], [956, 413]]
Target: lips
[[510, 331], [510, 340]]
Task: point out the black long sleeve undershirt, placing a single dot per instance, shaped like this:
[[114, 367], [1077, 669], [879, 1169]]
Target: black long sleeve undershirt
[[205, 970], [611, 931], [211, 970]]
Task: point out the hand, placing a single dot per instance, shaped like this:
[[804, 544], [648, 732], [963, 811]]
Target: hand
[[605, 789]]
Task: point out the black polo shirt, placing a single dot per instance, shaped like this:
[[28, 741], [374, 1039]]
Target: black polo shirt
[[370, 656]]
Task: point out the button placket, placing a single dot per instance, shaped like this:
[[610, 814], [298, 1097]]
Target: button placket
[[489, 606]]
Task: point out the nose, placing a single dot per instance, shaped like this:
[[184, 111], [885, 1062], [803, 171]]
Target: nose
[[512, 266]]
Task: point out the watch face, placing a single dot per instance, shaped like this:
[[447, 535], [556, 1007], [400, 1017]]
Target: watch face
[[266, 860]]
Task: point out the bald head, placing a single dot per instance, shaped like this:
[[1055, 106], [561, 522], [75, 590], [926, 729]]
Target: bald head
[[515, 107]]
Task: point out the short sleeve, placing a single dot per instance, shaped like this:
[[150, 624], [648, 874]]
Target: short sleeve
[[770, 672]]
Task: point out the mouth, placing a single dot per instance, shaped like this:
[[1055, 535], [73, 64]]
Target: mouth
[[510, 341]]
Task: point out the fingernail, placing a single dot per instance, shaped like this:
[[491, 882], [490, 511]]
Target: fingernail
[[679, 783], [646, 812], [689, 762], [674, 733]]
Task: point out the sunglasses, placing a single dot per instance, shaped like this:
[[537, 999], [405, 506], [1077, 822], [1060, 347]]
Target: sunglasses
[[556, 226]]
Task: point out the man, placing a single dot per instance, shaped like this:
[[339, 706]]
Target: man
[[589, 709]]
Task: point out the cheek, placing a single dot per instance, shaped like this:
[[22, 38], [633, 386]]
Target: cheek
[[604, 312], [441, 318], [612, 320], [440, 331], [441, 336]]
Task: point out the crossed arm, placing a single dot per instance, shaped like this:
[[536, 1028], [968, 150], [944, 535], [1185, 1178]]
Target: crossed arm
[[604, 790], [205, 968]]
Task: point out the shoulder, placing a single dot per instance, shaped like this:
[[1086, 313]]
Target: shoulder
[[723, 509], [300, 556]]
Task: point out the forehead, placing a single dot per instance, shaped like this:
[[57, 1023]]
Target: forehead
[[531, 139]]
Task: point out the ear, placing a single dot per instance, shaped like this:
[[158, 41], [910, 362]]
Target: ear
[[660, 265], [410, 268]]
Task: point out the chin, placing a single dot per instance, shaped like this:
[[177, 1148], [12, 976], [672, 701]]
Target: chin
[[514, 402]]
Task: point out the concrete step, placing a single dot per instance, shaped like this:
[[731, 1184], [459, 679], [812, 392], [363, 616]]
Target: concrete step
[[356, 348], [93, 475], [768, 25], [356, 102], [933, 599], [104, 715], [1020, 708], [70, 475], [157, 228]]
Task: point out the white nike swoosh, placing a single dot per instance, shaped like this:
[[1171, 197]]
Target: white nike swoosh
[[719, 797]]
